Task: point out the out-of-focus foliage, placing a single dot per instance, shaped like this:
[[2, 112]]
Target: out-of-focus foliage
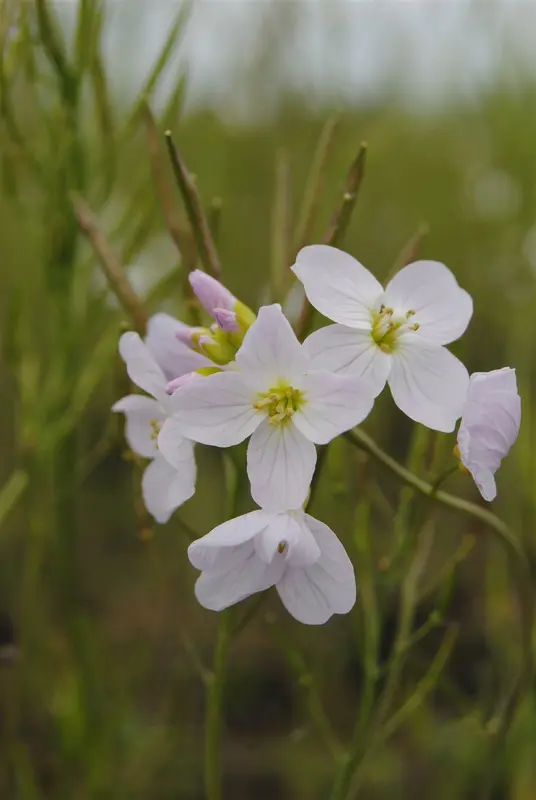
[[100, 694]]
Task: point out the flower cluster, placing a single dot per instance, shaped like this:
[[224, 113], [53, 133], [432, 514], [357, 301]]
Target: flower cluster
[[249, 377]]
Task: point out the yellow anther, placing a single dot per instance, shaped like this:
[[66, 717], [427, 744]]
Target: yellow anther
[[155, 425], [280, 403], [414, 327], [410, 313], [282, 546]]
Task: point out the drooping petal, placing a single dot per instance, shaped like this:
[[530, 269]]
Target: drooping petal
[[280, 464], [219, 589], [164, 489], [140, 415], [314, 593], [217, 410], [490, 425], [333, 404], [141, 366], [337, 285], [219, 548], [429, 384], [173, 356], [288, 538], [348, 351], [270, 352], [442, 308]]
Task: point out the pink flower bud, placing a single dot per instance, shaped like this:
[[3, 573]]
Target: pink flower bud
[[177, 383], [186, 335], [226, 320], [210, 292]]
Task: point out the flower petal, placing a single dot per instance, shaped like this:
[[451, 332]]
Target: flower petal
[[176, 448], [442, 308], [287, 537], [140, 412], [333, 404], [164, 489], [219, 589], [280, 463], [313, 594], [172, 355], [141, 366], [270, 351], [490, 425], [337, 285], [218, 549], [217, 410], [428, 383], [348, 351]]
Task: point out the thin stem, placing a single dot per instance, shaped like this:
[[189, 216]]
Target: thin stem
[[519, 566], [194, 208], [315, 707], [321, 461], [338, 225], [362, 440], [111, 266], [213, 720]]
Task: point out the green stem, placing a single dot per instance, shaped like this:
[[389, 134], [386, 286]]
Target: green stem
[[213, 725], [519, 567]]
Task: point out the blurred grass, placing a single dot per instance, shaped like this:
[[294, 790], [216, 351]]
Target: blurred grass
[[100, 697]]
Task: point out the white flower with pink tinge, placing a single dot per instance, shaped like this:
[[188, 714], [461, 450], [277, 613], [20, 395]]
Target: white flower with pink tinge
[[166, 484], [394, 335], [292, 551], [490, 424], [272, 394]]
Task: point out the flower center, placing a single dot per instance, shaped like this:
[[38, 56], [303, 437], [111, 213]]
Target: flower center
[[280, 403], [155, 429], [387, 327]]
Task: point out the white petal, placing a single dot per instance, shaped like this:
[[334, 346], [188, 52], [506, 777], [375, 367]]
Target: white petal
[[216, 549], [219, 589], [428, 384], [313, 594], [442, 308], [217, 410], [498, 380], [270, 351], [348, 351], [164, 489], [173, 356], [280, 464], [140, 412], [288, 538], [490, 425], [141, 366], [176, 449], [333, 404], [337, 285]]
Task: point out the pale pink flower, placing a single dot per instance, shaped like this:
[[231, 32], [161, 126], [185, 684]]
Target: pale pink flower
[[394, 335], [292, 551], [272, 394], [490, 424]]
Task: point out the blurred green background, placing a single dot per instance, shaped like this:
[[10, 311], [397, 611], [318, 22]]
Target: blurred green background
[[100, 691]]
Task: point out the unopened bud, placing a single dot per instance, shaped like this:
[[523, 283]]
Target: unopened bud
[[189, 336], [210, 292], [226, 320]]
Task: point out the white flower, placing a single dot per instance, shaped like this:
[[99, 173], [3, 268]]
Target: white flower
[[166, 484], [173, 356], [490, 425], [272, 395], [292, 551], [394, 335]]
